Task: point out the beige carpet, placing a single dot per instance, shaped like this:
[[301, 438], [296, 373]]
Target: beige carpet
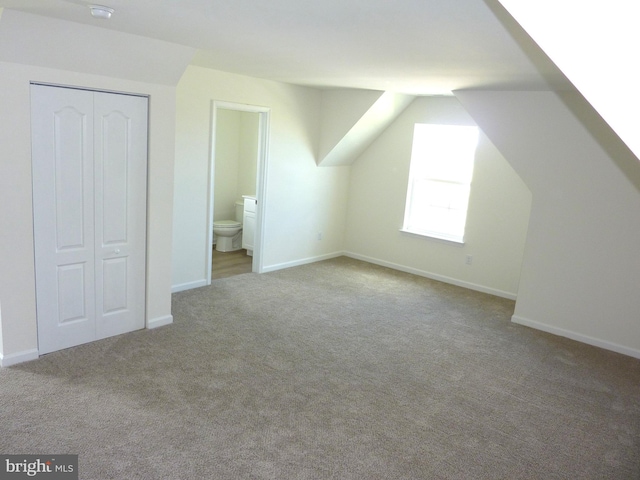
[[336, 370]]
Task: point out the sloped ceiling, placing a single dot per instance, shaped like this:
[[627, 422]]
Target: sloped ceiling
[[53, 43], [415, 47], [603, 68], [396, 50], [343, 140]]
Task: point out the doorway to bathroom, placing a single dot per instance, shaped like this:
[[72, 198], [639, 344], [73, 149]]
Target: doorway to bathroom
[[239, 146]]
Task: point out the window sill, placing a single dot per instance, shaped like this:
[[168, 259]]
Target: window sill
[[437, 236]]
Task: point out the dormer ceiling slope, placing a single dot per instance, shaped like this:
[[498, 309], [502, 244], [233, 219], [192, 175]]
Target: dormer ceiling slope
[[352, 120]]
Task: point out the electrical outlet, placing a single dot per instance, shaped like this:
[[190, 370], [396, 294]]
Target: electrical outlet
[[319, 236], [468, 260]]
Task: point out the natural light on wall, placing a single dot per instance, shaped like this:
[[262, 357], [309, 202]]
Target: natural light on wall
[[440, 180]]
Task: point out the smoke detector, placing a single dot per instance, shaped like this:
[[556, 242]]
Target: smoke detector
[[100, 11]]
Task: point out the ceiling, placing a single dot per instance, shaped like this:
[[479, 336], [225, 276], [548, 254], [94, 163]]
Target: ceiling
[[417, 47]]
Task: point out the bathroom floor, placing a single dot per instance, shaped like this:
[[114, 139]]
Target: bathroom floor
[[228, 264]]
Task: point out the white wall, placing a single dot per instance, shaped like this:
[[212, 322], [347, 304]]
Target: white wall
[[17, 282], [72, 48], [301, 199], [248, 153], [236, 160], [581, 268], [497, 219], [227, 164]]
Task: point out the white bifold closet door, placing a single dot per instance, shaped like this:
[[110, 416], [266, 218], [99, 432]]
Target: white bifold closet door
[[89, 154]]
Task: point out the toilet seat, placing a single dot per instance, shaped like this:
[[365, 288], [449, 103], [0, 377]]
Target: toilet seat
[[226, 224]]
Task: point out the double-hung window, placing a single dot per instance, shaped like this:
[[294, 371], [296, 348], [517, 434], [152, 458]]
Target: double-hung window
[[440, 180]]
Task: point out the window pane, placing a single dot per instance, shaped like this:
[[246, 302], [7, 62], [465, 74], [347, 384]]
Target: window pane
[[439, 207], [444, 152], [439, 180]]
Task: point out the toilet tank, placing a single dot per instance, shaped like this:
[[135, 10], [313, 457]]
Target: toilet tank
[[239, 210]]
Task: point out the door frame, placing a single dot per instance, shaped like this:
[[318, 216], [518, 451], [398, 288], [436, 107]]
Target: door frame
[[264, 114]]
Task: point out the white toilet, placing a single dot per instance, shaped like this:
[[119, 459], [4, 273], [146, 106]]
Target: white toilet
[[227, 234]]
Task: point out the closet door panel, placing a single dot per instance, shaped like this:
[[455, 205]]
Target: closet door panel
[[120, 179], [62, 156]]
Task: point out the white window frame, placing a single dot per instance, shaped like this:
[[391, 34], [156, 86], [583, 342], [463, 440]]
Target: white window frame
[[440, 174]]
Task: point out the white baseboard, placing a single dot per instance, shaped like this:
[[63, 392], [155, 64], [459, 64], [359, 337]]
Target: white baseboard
[[189, 285], [596, 342], [304, 261], [434, 276], [20, 357], [160, 321]]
